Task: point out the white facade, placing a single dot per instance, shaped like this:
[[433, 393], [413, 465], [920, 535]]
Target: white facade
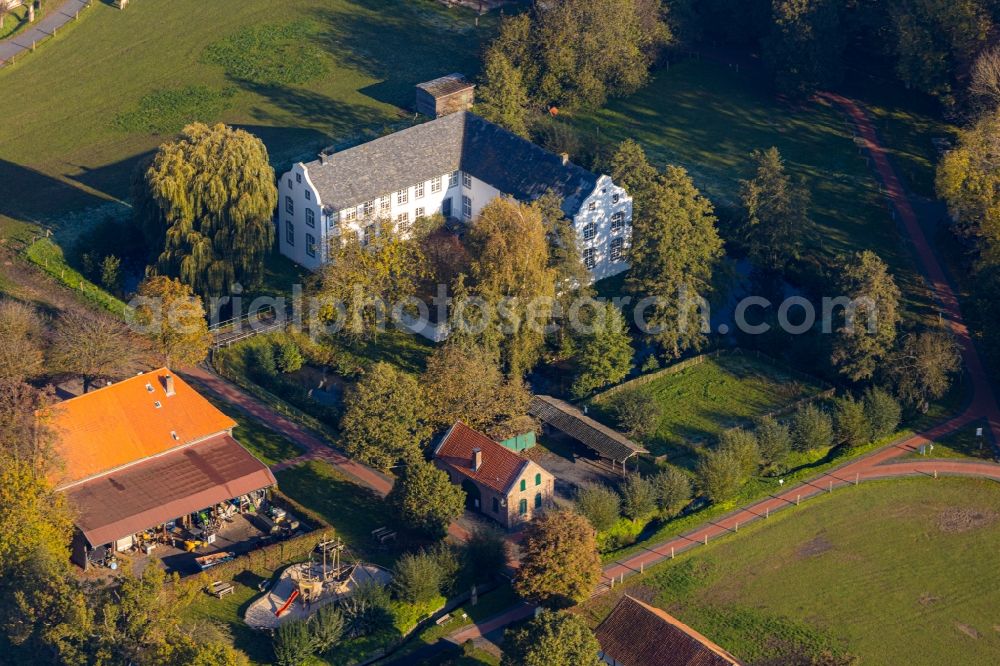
[[306, 225]]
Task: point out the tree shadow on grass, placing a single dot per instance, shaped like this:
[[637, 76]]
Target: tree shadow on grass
[[31, 196]]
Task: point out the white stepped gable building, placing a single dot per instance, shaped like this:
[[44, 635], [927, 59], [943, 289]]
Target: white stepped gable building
[[453, 165]]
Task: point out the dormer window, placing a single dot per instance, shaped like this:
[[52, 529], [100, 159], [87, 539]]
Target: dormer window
[[157, 404], [175, 436], [149, 388]]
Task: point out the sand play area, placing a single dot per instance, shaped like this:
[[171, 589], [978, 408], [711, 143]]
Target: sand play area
[[313, 592]]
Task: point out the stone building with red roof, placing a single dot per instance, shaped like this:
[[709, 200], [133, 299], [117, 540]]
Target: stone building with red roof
[[637, 634], [498, 483]]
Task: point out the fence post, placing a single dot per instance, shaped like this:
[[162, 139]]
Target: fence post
[[767, 512], [671, 552], [798, 498], [857, 478], [706, 538], [831, 486]]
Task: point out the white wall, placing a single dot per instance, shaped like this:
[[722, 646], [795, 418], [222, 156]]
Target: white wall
[[297, 185], [605, 206]]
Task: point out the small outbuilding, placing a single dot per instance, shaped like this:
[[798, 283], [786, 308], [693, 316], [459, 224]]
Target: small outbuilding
[[445, 95], [596, 436], [498, 483]]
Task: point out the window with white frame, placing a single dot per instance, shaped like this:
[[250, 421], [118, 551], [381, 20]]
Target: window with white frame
[[402, 223], [466, 180], [436, 184], [467, 208], [452, 179], [289, 206], [351, 214], [310, 245], [617, 249], [418, 191], [615, 198], [310, 218], [618, 221], [402, 197], [592, 205], [384, 203], [589, 231], [289, 232], [369, 234], [589, 258], [369, 208], [419, 212]]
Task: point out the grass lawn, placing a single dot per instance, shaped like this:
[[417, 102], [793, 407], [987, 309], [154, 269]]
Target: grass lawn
[[708, 118], [961, 443], [17, 20], [270, 447], [701, 401], [352, 509], [227, 613], [301, 75], [915, 551]]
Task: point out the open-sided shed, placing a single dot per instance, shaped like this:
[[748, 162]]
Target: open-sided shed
[[564, 417]]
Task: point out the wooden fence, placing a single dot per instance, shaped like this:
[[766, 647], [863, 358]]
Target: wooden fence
[[35, 43]]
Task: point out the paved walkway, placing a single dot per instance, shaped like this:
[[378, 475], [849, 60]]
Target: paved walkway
[[56, 16]]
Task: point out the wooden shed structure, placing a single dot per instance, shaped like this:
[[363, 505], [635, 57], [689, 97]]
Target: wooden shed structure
[[566, 418], [445, 95]]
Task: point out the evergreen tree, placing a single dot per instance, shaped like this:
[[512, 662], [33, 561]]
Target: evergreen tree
[[501, 97], [804, 47], [206, 204], [776, 212], [384, 418], [426, 499], [630, 169], [559, 560], [867, 332], [675, 247], [605, 352], [549, 639]]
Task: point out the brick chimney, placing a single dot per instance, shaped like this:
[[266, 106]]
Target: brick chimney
[[168, 385], [477, 459]]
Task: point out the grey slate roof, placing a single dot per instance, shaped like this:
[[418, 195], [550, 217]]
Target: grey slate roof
[[568, 419], [458, 141]]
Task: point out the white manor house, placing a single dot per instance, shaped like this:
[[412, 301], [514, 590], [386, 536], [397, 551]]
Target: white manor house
[[453, 165]]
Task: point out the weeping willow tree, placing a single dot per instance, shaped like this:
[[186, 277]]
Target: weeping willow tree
[[205, 204]]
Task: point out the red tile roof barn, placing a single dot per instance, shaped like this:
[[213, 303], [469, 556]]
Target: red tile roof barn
[[637, 634], [142, 496], [500, 467]]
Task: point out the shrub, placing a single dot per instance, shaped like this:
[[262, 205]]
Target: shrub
[[288, 356], [327, 627], [598, 504], [650, 364], [722, 473], [744, 445], [367, 610], [883, 412], [447, 562], [774, 441], [851, 423], [637, 413], [423, 576], [485, 552], [673, 491], [262, 361], [811, 428], [292, 643], [638, 497]]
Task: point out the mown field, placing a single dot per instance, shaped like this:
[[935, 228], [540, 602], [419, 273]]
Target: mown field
[[708, 117], [81, 111], [702, 400], [915, 553]]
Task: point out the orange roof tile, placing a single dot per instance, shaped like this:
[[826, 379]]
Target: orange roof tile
[[500, 467], [128, 422]]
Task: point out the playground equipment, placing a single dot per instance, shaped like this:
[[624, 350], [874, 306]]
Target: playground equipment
[[291, 600]]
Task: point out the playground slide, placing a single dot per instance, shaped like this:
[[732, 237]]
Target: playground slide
[[291, 598]]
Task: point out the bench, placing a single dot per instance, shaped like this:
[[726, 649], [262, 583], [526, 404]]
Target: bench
[[441, 620], [219, 589]]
